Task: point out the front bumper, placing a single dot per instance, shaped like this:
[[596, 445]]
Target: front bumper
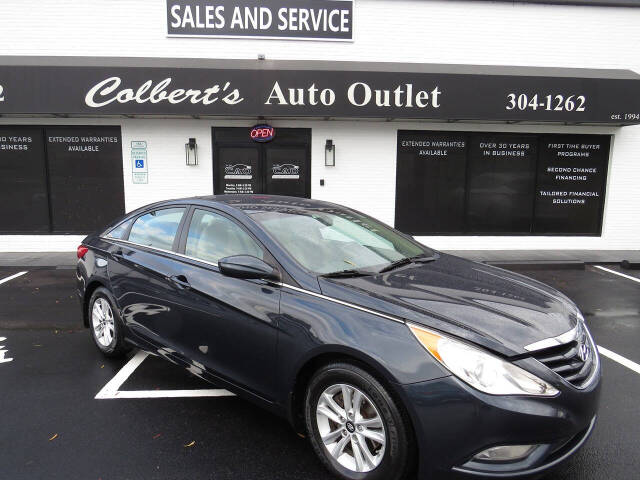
[[453, 422], [542, 459]]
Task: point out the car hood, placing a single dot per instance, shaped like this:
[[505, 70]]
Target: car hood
[[489, 306]]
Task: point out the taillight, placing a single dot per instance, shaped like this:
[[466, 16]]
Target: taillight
[[82, 251]]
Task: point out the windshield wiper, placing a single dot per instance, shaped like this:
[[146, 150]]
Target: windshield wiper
[[423, 259], [351, 272], [406, 261]]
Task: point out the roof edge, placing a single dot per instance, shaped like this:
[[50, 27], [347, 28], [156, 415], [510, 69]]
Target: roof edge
[[284, 65]]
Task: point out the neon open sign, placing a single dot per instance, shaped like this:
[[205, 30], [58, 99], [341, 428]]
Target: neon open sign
[[262, 133]]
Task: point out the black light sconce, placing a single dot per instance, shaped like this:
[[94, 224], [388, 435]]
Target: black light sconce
[[329, 154], [191, 152]]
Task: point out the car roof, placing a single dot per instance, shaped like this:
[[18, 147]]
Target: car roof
[[239, 203], [258, 203]]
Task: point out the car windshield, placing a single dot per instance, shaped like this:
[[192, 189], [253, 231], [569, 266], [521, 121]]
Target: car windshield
[[331, 240]]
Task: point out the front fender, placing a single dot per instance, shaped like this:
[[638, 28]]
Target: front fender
[[310, 326]]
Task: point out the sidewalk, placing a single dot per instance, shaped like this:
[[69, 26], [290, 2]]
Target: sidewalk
[[38, 259], [548, 256], [512, 257]]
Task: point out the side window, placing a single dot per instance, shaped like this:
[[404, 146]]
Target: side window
[[157, 229], [212, 237], [120, 230]]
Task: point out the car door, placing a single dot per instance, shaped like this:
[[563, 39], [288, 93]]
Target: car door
[[143, 272], [230, 325]]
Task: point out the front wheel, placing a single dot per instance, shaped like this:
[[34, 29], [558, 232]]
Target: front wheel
[[355, 426]]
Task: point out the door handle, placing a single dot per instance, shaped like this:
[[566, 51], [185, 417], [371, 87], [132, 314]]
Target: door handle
[[181, 281], [118, 253]]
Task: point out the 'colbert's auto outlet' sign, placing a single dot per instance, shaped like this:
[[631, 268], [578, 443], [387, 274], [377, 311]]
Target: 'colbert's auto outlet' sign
[[301, 19], [316, 89], [359, 94]]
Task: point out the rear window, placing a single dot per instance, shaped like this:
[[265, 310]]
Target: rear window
[[157, 229], [120, 231]]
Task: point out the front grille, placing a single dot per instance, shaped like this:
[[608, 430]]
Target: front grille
[[573, 361]]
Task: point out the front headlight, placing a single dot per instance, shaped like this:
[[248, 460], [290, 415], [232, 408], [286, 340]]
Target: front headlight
[[480, 369]]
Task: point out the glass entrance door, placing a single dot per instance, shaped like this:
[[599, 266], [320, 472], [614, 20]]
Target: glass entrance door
[[279, 167]]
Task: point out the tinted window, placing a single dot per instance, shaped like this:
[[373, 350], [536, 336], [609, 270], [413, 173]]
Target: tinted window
[[500, 183], [121, 230], [430, 182], [157, 229], [85, 169], [24, 206], [56, 179], [501, 175], [212, 237]]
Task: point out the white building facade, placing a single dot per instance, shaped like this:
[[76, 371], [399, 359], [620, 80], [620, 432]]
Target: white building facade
[[558, 183]]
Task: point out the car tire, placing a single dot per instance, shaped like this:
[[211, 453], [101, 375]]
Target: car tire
[[107, 328], [385, 452]]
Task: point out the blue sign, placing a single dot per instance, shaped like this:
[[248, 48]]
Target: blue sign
[[139, 163]]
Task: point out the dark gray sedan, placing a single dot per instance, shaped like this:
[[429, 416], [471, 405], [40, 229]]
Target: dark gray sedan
[[389, 356]]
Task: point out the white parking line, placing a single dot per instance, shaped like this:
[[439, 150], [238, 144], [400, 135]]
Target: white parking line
[[111, 389], [12, 277], [125, 372], [620, 359], [635, 279], [203, 392], [3, 352]]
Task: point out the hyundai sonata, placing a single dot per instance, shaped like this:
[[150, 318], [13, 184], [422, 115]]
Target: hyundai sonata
[[389, 356]]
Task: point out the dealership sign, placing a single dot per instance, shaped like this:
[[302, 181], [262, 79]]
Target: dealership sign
[[290, 19], [254, 88]]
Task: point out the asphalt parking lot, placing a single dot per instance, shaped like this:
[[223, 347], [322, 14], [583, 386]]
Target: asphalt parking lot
[[156, 421]]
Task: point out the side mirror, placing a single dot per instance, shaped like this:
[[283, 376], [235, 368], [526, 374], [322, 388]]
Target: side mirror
[[247, 267]]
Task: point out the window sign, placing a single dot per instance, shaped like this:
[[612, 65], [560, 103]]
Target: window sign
[[500, 183], [430, 181], [60, 179], [239, 170], [571, 182], [501, 172], [24, 204], [85, 177]]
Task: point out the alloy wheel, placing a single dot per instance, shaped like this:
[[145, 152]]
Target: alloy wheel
[[103, 322], [351, 427]]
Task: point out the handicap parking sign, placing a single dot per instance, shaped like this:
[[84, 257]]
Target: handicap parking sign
[[139, 164]]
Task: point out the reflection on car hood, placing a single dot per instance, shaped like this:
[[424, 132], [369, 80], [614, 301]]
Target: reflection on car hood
[[497, 309]]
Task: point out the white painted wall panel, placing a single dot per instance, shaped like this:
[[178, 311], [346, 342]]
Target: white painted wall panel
[[500, 33]]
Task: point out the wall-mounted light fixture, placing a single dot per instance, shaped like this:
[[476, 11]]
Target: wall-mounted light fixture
[[191, 152], [329, 154]]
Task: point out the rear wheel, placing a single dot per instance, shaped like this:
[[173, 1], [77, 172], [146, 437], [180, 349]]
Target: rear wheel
[[106, 325], [355, 426]]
